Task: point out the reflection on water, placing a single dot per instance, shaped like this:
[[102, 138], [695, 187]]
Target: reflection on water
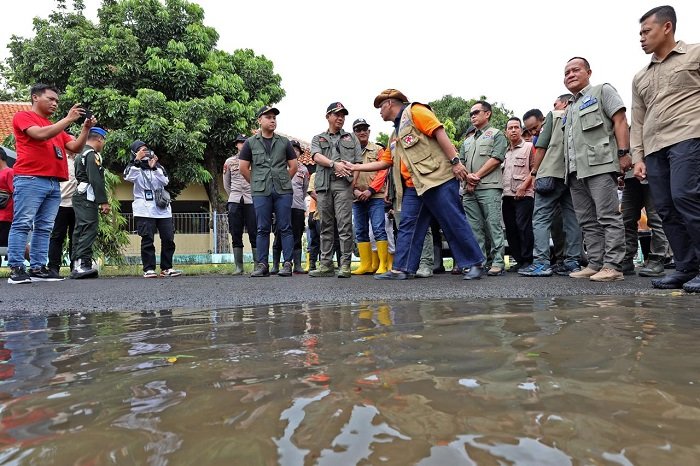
[[553, 381]]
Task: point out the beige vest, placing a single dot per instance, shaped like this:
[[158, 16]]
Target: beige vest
[[364, 179], [595, 145], [516, 169], [422, 155], [554, 162]]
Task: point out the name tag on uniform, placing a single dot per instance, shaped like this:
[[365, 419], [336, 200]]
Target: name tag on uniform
[[587, 102]]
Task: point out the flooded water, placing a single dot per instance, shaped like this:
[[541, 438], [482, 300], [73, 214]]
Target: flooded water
[[556, 381]]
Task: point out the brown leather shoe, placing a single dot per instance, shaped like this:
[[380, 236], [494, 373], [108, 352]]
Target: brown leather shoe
[[583, 273]]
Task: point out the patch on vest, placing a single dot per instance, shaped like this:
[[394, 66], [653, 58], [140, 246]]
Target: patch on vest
[[392, 145], [98, 159], [322, 139], [408, 139], [347, 137], [587, 102], [488, 134]]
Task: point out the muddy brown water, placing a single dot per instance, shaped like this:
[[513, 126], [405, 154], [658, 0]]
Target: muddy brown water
[[555, 381]]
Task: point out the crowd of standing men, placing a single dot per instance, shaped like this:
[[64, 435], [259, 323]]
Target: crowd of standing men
[[543, 176]]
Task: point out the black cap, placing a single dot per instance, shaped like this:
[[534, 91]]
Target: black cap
[[267, 109], [336, 107], [240, 138], [136, 145], [359, 122], [297, 144]]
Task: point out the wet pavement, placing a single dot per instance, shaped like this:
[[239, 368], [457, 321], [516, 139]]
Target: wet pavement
[[221, 291], [546, 380]]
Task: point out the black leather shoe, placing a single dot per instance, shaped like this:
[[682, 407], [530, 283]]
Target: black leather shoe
[[673, 281], [693, 286], [475, 273], [392, 276]]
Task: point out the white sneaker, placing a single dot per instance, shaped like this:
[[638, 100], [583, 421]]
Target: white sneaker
[[170, 273], [150, 274]]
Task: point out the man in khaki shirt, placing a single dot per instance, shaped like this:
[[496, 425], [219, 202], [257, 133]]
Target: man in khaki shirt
[[666, 140]]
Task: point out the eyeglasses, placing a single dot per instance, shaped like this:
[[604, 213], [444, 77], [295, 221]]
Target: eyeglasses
[[475, 112], [361, 129]]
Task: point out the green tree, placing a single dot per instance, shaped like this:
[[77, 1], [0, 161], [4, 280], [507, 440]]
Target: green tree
[[150, 70], [382, 138], [457, 110]]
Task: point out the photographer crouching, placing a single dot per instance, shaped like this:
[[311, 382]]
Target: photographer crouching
[[151, 208]]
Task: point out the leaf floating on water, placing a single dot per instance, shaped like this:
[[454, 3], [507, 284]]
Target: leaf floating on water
[[533, 355], [318, 378], [172, 360]]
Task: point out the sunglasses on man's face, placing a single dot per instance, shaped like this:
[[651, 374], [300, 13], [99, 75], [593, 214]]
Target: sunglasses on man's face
[[361, 129], [475, 112]]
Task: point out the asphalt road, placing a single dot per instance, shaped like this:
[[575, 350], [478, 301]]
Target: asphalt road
[[221, 292]]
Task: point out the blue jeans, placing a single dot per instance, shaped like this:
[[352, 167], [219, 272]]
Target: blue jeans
[[36, 205], [674, 181], [281, 205], [443, 204], [365, 212], [545, 208]]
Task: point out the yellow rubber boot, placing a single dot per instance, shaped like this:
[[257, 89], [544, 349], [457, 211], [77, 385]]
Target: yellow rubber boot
[[383, 252], [365, 250], [389, 261], [375, 262]]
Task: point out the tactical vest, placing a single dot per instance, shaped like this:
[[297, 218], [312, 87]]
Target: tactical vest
[[344, 149], [554, 163], [269, 169], [478, 152], [81, 175], [595, 145], [364, 179], [422, 155]]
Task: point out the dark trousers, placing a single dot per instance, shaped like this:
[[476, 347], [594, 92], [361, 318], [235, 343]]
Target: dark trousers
[[63, 226], [517, 217], [86, 223], [240, 214], [441, 203], [635, 197], [281, 205], [674, 181], [314, 237], [146, 228], [298, 224]]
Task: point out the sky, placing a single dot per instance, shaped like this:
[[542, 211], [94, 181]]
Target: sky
[[511, 52]]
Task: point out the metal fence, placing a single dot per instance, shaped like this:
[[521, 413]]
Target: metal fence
[[213, 224]]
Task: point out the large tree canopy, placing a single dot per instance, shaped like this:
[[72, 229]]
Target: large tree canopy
[[454, 113], [150, 70]]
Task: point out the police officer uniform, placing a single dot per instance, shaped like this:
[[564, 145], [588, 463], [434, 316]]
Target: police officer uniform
[[90, 193]]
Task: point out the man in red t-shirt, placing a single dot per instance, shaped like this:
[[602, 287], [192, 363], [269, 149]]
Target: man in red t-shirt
[[41, 165]]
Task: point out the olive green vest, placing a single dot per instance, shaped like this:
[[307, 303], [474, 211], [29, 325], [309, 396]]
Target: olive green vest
[[595, 145], [554, 163], [269, 169], [364, 179], [422, 155], [343, 150], [478, 152]]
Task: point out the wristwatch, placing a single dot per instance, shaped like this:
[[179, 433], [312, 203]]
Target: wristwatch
[[622, 152], [454, 160], [332, 165]]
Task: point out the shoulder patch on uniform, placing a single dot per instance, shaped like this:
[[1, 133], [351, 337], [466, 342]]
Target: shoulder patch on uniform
[[322, 139], [98, 159]]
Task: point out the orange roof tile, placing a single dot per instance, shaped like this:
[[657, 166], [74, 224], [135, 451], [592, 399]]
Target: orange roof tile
[[7, 111]]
